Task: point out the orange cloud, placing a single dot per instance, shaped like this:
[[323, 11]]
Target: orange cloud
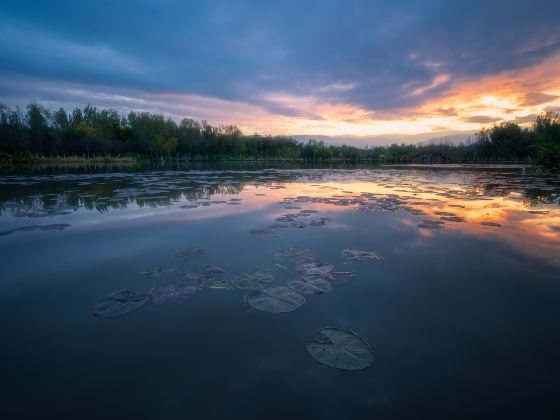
[[464, 106]]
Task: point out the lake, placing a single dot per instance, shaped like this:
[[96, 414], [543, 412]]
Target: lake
[[456, 294]]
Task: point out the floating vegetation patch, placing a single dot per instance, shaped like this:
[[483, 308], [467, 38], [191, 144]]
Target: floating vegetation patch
[[320, 221], [310, 285], [314, 267], [58, 226], [278, 299], [216, 284], [340, 278], [294, 254], [444, 213], [298, 224], [353, 254], [456, 219], [431, 224], [265, 232], [173, 293], [119, 303], [253, 280], [190, 254], [212, 270], [156, 272], [341, 349], [494, 224]]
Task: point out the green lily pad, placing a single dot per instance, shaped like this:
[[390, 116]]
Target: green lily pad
[[254, 280], [493, 224], [294, 253], [359, 255], [431, 224], [213, 270], [310, 285], [173, 293], [216, 284], [119, 303], [276, 300], [313, 267], [156, 272], [341, 349]]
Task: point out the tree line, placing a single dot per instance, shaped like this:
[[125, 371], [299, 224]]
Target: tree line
[[104, 132]]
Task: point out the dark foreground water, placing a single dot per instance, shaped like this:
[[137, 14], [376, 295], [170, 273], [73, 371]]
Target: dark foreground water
[[463, 317]]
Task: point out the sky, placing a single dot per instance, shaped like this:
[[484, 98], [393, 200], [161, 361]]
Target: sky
[[325, 67]]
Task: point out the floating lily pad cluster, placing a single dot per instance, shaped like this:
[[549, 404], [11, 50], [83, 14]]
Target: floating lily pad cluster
[[309, 276], [175, 292], [290, 220], [360, 255], [431, 224]]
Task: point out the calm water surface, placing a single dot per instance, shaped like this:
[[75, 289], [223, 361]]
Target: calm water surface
[[463, 316]]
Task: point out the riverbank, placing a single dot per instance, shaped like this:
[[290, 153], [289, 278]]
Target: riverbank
[[10, 160]]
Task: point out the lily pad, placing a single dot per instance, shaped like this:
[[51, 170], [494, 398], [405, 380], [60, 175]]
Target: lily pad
[[216, 284], [156, 272], [254, 280], [310, 285], [431, 224], [119, 303], [265, 232], [173, 293], [341, 349], [494, 224], [276, 300], [359, 255], [455, 219], [294, 253], [213, 269], [313, 267], [320, 221]]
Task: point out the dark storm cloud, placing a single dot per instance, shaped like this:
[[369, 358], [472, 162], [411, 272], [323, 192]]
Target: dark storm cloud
[[387, 53]]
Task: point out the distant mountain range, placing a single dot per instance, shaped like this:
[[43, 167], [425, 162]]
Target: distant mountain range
[[442, 137]]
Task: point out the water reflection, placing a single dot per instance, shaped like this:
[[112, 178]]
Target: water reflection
[[519, 207], [478, 294]]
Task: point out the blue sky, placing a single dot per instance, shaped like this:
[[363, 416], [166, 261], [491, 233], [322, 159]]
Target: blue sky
[[317, 67]]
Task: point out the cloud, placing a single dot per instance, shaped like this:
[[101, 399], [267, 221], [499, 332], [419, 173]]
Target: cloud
[[538, 98], [480, 119], [308, 64], [525, 119]]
